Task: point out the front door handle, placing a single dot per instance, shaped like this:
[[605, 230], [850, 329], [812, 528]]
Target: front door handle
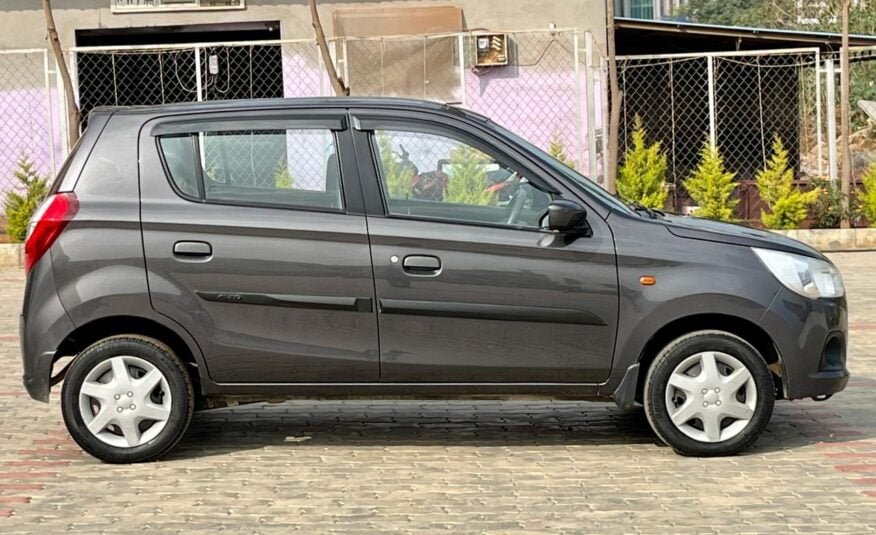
[[421, 264], [192, 248]]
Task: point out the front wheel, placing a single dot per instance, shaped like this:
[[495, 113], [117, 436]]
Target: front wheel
[[127, 399], [709, 393]]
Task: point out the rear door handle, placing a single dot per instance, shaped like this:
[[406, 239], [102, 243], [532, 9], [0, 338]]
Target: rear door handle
[[421, 264], [192, 248]]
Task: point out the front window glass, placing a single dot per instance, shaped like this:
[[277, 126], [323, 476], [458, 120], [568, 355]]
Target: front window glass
[[434, 176], [584, 183]]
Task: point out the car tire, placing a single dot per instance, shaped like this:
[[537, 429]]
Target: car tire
[[686, 406], [127, 399]]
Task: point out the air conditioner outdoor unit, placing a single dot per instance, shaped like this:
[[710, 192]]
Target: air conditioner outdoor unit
[[491, 50]]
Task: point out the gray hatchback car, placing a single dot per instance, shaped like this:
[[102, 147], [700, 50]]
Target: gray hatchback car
[[200, 255]]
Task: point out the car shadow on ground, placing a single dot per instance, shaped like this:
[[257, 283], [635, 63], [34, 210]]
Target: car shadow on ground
[[420, 423], [481, 423]]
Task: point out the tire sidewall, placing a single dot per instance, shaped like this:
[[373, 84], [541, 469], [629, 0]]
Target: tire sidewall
[[177, 380], [663, 367]]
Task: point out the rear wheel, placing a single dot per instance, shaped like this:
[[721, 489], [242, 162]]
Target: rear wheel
[[127, 399], [709, 393]]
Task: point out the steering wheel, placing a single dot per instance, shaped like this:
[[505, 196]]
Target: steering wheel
[[517, 203]]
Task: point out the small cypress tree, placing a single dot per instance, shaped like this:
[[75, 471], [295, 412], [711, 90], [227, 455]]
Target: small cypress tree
[[283, 178], [867, 195], [711, 186], [396, 175], [467, 180], [21, 206], [787, 205], [557, 149], [642, 177]]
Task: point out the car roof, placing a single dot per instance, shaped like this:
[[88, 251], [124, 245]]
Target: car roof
[[387, 103]]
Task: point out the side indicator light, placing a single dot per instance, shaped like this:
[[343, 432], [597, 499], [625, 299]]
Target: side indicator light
[[648, 280]]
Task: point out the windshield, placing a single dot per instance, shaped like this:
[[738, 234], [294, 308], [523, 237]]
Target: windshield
[[585, 183], [577, 178]]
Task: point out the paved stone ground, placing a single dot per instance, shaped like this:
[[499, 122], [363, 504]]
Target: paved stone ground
[[363, 466]]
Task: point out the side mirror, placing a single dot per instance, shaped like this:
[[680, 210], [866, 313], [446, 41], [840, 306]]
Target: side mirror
[[567, 216]]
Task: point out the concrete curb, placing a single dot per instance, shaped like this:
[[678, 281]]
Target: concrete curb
[[834, 239], [11, 255]]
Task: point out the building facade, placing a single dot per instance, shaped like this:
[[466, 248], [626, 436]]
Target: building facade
[[22, 24], [540, 75]]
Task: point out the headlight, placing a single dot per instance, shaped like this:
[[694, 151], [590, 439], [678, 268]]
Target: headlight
[[807, 276]]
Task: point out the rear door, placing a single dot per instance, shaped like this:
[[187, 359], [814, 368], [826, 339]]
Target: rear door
[[256, 243], [470, 288]]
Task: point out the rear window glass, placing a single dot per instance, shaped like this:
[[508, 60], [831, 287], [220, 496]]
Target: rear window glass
[[296, 168]]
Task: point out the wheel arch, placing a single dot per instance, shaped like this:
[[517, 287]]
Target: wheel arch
[[742, 328], [100, 328]]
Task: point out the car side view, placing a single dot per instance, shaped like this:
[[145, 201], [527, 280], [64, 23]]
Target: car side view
[[199, 255]]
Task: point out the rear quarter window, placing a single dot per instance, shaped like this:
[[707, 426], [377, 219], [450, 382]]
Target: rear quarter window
[[181, 162]]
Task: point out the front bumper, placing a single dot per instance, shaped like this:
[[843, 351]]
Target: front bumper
[[811, 336]]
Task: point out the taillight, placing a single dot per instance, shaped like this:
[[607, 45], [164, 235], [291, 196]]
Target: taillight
[[47, 224]]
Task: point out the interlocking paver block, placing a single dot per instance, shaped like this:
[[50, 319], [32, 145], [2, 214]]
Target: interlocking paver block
[[454, 466]]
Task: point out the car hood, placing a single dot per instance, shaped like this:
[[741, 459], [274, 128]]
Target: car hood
[[705, 229]]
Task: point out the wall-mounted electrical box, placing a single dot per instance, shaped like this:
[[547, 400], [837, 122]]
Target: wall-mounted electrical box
[[491, 50]]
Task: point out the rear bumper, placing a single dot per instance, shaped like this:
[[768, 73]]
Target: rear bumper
[[811, 336], [37, 379], [37, 376], [43, 325]]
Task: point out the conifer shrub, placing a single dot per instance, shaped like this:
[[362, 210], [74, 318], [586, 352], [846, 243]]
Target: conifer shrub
[[642, 177], [787, 205], [21, 204], [711, 186]]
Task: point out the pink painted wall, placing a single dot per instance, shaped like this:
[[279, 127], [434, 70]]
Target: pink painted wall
[[540, 106], [25, 129]]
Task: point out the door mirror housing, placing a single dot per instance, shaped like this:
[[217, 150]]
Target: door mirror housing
[[567, 217]]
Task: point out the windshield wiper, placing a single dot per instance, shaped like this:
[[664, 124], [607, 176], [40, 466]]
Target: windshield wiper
[[653, 213]]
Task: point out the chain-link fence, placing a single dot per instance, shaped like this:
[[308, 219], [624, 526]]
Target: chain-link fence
[[191, 73], [546, 93], [539, 94], [862, 76], [737, 101], [28, 108], [551, 93]]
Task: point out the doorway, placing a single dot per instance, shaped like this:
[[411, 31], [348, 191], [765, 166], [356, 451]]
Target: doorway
[[162, 64]]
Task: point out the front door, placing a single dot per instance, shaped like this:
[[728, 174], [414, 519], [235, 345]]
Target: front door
[[470, 288], [256, 243]]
